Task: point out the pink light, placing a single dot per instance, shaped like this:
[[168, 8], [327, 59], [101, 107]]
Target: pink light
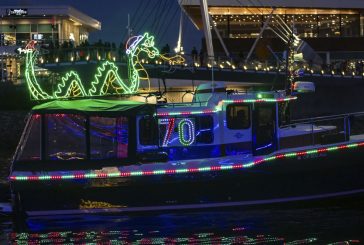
[[208, 111], [79, 176], [343, 147], [302, 153], [148, 173], [33, 178], [101, 175]]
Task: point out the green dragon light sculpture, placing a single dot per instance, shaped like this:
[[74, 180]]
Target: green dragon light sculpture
[[106, 80]]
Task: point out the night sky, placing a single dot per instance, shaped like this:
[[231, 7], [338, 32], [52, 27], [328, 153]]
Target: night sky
[[159, 17]]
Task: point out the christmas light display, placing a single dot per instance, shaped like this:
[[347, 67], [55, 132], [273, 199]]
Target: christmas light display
[[219, 108], [260, 100], [136, 71], [190, 132], [70, 86], [106, 80], [118, 174], [147, 237], [170, 127], [32, 83]]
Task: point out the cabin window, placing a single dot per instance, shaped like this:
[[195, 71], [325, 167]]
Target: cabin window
[[204, 129], [238, 116], [65, 137], [30, 149], [148, 131], [108, 137]]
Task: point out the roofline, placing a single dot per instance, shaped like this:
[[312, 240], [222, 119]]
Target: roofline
[[325, 4]]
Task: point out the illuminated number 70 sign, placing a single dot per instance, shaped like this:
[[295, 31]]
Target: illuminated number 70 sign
[[185, 134]]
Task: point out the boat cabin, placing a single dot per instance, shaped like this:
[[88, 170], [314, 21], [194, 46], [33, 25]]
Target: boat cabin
[[215, 124]]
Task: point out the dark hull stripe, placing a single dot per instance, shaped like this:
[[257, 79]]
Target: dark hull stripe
[[194, 206]]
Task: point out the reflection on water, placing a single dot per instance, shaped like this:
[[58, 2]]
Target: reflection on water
[[279, 225]]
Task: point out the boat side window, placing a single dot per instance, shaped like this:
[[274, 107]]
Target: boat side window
[[148, 131], [30, 147], [238, 116], [65, 137], [204, 129], [108, 137]]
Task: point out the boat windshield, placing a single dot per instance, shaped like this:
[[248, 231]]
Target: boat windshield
[[74, 137]]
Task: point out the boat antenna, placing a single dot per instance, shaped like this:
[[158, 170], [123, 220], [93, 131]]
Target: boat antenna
[[128, 27]]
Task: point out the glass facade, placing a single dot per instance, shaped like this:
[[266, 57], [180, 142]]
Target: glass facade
[[305, 25], [20, 34]]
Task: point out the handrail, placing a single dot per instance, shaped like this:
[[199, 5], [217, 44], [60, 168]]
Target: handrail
[[173, 105], [338, 116], [343, 123]]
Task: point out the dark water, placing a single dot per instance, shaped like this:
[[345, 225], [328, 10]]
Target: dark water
[[341, 222]]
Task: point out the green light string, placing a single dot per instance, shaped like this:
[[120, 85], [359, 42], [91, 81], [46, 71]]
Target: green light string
[[33, 85], [106, 79], [70, 86]]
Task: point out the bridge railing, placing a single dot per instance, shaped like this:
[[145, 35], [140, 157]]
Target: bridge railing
[[235, 62]]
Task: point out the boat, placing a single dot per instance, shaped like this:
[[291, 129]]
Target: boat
[[224, 148], [87, 151]]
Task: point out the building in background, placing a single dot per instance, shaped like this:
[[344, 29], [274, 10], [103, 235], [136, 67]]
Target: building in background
[[51, 25], [327, 25]]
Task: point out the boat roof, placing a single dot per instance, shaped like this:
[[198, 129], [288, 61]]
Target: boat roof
[[94, 106]]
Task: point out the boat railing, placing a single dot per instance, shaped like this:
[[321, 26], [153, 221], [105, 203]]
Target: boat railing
[[180, 104], [328, 129]]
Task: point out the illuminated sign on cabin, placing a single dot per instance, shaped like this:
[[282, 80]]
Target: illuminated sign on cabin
[[177, 131]]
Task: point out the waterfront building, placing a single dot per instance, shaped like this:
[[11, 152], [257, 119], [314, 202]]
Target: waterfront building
[[328, 26], [50, 25]]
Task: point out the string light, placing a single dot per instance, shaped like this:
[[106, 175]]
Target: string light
[[182, 133], [74, 89], [107, 77], [71, 85], [218, 108], [170, 127], [118, 174]]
